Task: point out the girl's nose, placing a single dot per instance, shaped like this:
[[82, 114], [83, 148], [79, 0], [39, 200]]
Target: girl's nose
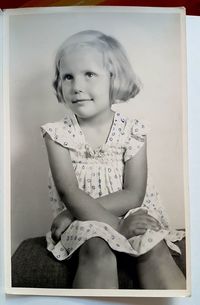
[[78, 85], [77, 91]]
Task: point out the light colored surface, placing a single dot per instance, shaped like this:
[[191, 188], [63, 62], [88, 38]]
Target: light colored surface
[[155, 54], [194, 149]]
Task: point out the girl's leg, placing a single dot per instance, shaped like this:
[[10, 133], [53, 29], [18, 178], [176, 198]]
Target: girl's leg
[[97, 266], [158, 270]]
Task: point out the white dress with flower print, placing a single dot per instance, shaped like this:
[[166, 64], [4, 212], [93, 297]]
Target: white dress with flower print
[[100, 172]]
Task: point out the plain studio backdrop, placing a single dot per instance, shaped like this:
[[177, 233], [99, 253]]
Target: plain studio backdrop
[[154, 46]]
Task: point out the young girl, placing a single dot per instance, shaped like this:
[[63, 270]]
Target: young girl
[[100, 191]]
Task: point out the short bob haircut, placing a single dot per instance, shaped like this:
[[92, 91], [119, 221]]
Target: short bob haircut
[[124, 83]]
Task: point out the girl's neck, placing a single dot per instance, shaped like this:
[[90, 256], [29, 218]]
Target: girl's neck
[[97, 120], [97, 129]]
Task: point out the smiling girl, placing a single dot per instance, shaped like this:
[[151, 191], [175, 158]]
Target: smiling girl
[[100, 190]]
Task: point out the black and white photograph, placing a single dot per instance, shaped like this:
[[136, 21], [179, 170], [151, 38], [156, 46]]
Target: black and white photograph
[[96, 140]]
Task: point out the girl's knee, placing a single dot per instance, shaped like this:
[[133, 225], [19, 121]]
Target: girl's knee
[[158, 269], [96, 249], [161, 250], [157, 253]]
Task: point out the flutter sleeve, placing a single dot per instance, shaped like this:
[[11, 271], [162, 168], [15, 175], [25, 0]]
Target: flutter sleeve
[[60, 133], [136, 134]]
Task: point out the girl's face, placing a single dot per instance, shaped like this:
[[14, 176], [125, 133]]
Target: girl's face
[[85, 82]]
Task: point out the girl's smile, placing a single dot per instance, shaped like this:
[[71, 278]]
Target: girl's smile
[[85, 82], [80, 100]]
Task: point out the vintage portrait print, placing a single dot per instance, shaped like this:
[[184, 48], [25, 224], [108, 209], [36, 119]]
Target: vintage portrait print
[[96, 139]]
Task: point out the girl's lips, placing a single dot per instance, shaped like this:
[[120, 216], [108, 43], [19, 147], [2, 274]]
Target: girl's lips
[[81, 100]]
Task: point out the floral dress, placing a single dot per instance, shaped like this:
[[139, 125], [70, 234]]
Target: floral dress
[[100, 172]]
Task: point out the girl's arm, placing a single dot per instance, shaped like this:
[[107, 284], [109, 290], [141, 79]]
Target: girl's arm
[[81, 205], [134, 186]]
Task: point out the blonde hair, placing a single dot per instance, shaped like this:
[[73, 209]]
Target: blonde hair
[[124, 82]]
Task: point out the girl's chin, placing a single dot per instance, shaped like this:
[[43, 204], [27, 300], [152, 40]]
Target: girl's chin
[[83, 115], [81, 110]]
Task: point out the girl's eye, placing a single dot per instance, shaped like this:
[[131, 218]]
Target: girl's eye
[[67, 76], [90, 74]]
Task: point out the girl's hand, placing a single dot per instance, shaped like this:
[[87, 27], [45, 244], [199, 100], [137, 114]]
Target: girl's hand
[[137, 224], [60, 224]]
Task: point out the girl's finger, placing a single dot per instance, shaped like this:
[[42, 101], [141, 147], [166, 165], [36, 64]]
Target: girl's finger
[[151, 219], [53, 236], [145, 219], [56, 234], [137, 213], [139, 231], [153, 225], [141, 225], [141, 212]]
